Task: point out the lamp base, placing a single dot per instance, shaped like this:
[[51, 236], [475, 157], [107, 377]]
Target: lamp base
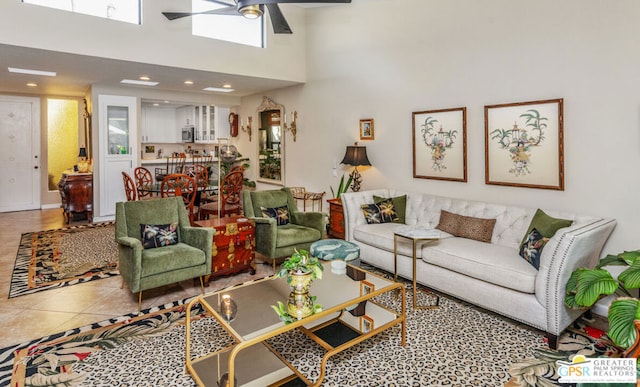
[[83, 165], [356, 180]]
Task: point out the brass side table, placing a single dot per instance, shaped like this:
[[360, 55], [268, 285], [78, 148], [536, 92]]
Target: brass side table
[[417, 235]]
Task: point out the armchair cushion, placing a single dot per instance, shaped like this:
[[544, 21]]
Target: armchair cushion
[[293, 234], [164, 260], [280, 214], [157, 235]]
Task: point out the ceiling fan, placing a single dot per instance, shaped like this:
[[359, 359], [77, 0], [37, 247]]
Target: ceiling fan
[[252, 9]]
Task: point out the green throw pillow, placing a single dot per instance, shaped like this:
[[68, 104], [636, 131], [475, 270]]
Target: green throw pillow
[[545, 224], [399, 203]]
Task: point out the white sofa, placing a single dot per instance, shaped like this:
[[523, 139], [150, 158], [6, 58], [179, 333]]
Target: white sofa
[[490, 275]]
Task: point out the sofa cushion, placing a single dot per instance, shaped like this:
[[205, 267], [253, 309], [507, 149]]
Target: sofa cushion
[[399, 203], [381, 236], [531, 250], [545, 224], [499, 265], [480, 229], [382, 212], [280, 214], [158, 235], [169, 258]]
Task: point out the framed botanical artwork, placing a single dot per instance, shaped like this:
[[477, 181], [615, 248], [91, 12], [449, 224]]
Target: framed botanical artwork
[[524, 144], [366, 324], [366, 129], [366, 287], [440, 144]]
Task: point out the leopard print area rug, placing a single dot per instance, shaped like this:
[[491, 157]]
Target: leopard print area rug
[[455, 345], [63, 257]]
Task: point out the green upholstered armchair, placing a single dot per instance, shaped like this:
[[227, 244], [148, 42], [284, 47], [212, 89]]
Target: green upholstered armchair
[[148, 268], [275, 241]]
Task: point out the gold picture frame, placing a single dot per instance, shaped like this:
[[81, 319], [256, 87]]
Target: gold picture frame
[[366, 287], [366, 324], [440, 144], [524, 144], [366, 129]]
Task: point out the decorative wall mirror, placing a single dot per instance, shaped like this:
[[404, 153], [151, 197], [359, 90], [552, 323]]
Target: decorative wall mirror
[[270, 142]]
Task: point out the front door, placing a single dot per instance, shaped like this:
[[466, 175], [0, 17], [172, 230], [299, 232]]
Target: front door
[[19, 153]]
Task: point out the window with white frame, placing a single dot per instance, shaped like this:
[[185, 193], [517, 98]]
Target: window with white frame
[[121, 10], [231, 28]]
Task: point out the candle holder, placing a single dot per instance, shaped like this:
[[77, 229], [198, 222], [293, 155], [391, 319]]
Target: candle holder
[[293, 127], [247, 129], [228, 308]]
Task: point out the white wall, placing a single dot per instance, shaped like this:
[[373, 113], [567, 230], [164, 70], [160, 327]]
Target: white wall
[[157, 40], [387, 58]]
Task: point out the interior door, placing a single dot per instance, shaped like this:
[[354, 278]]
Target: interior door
[[118, 147], [19, 153]]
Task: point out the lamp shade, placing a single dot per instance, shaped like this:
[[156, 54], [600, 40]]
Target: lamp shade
[[356, 155], [83, 152]]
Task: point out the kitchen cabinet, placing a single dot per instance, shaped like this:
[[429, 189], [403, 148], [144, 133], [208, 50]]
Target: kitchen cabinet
[[212, 122], [185, 116], [159, 125]]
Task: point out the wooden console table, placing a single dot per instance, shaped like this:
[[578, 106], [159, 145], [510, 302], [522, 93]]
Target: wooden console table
[[233, 245], [76, 193], [336, 219]]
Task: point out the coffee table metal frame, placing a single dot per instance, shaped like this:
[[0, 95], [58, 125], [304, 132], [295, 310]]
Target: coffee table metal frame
[[242, 344], [415, 240]]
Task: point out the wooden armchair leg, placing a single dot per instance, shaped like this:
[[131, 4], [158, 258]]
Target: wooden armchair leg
[[202, 284], [139, 301]]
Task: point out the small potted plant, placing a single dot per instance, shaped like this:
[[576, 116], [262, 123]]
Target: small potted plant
[[586, 286], [300, 270]]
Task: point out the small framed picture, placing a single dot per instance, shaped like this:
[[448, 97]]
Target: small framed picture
[[366, 287], [366, 324], [366, 129]]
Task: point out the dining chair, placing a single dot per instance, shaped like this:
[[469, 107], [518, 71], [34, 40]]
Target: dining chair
[[143, 178], [229, 201], [174, 165], [181, 185], [129, 187]]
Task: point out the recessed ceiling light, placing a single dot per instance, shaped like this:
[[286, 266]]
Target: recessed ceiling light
[[188, 82], [156, 104], [220, 89], [32, 84], [32, 72], [136, 82], [226, 86], [145, 78]]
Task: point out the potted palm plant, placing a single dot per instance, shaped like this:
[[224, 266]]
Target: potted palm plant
[[300, 270], [586, 286]]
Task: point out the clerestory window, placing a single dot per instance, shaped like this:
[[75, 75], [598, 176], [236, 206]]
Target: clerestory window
[[122, 10]]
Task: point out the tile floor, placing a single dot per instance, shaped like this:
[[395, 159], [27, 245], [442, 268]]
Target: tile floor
[[32, 316]]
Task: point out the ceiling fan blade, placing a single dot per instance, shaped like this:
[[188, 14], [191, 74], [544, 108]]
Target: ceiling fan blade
[[232, 4], [243, 3], [280, 25], [231, 10]]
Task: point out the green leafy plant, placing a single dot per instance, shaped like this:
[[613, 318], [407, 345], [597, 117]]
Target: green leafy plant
[[342, 187], [225, 167], [281, 310], [301, 262], [586, 286]]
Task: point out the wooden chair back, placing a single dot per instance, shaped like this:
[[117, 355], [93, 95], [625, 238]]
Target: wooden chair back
[[129, 187], [229, 201], [175, 165], [143, 178], [179, 184]]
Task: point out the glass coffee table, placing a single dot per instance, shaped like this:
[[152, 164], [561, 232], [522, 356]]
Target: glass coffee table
[[251, 361]]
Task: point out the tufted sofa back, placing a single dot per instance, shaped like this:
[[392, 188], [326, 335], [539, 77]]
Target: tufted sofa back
[[511, 221]]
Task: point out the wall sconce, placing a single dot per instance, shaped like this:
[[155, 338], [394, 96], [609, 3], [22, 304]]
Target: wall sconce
[[355, 156], [291, 128], [247, 129]]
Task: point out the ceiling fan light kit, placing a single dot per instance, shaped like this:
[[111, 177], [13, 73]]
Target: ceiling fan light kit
[[253, 9]]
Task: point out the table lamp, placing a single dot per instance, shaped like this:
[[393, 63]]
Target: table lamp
[[356, 156], [83, 165]]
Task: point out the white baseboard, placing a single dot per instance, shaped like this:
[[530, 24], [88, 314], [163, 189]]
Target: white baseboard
[[50, 206]]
